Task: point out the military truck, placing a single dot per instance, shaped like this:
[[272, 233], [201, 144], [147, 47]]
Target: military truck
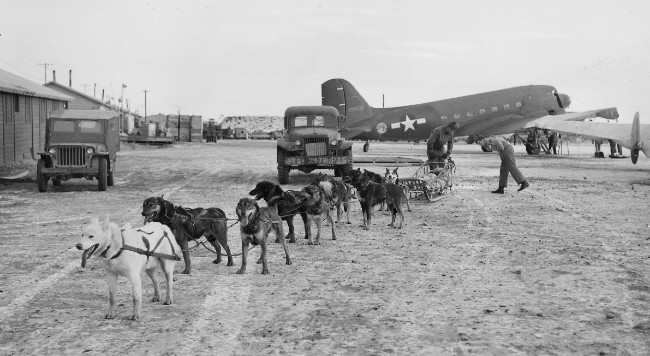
[[312, 141], [79, 144]]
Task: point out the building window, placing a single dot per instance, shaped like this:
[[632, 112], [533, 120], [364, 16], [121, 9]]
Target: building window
[[470, 114], [494, 109], [444, 117], [456, 116], [506, 107], [481, 111], [16, 103], [518, 104]]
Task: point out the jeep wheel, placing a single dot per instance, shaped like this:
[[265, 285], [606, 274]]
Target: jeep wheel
[[110, 181], [40, 177], [102, 174], [283, 169]]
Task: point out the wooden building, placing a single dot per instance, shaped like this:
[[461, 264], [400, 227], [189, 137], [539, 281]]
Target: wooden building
[[80, 101], [24, 108]]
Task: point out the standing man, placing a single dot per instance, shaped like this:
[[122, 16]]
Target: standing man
[[552, 141], [440, 136], [508, 164]]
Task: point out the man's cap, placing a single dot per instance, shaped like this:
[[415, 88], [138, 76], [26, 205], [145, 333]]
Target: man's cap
[[453, 125]]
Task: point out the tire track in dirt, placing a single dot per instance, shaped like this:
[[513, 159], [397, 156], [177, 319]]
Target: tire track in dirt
[[434, 277], [28, 293], [581, 215], [227, 304], [225, 309]]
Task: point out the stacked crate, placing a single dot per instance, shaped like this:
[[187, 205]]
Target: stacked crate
[[196, 128], [186, 128]]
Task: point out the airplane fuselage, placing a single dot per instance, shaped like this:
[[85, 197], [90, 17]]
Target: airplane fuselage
[[490, 113]]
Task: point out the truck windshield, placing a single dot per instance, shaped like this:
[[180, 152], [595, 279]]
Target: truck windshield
[[314, 120], [81, 126]]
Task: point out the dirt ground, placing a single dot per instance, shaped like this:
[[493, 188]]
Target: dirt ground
[[560, 268]]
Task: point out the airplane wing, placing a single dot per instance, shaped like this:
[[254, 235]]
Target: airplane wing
[[350, 132], [633, 136], [608, 113]]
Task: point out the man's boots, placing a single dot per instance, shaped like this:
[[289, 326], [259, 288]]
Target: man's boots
[[523, 186], [498, 191]]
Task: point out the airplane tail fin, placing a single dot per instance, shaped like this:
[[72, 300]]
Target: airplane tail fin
[[340, 94]]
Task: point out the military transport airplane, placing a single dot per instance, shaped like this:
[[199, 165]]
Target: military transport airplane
[[479, 115]]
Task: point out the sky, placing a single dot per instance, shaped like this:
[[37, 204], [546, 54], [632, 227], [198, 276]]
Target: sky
[[232, 58]]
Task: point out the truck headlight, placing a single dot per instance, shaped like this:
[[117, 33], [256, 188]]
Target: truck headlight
[[297, 142], [90, 150], [52, 150], [333, 142]]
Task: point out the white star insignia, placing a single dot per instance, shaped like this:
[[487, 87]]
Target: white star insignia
[[408, 123]]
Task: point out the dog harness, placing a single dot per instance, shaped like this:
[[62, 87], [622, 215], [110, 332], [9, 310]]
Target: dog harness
[[253, 225], [147, 252]]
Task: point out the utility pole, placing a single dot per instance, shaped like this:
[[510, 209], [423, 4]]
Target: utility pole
[[122, 107], [45, 65], [145, 105]]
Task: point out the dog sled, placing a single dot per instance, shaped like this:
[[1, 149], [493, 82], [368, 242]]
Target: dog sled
[[431, 183]]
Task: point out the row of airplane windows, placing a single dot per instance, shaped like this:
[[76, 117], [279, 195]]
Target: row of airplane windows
[[482, 111]]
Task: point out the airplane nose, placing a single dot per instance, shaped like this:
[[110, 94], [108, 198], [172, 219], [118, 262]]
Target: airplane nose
[[566, 100]]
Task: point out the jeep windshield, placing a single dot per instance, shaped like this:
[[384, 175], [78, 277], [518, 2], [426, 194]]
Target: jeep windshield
[[77, 131], [314, 121]]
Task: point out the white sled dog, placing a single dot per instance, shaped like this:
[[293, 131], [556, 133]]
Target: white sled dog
[[126, 252]]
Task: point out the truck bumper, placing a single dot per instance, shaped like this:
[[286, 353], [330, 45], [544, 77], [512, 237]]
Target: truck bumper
[[69, 170], [317, 161]]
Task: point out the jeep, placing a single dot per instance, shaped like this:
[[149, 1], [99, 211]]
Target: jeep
[[313, 141], [79, 144]]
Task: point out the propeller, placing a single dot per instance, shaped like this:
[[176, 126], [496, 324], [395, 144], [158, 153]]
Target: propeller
[[636, 141]]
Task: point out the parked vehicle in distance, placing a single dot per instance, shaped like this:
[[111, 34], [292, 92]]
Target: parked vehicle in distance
[[79, 144]]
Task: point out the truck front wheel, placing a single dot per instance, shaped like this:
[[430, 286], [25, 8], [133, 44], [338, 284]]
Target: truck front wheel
[[40, 177], [102, 176], [283, 169], [110, 180]]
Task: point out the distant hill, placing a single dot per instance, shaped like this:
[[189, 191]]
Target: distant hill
[[254, 123]]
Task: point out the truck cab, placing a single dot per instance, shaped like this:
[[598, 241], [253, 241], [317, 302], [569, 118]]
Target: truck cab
[[312, 141]]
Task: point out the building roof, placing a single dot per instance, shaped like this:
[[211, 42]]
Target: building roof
[[84, 114], [12, 83], [62, 88]]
